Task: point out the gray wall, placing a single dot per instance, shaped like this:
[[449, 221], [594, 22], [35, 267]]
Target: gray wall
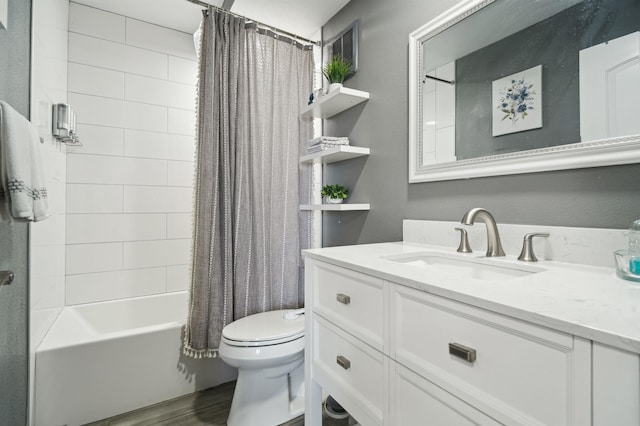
[[554, 43], [607, 197], [14, 299]]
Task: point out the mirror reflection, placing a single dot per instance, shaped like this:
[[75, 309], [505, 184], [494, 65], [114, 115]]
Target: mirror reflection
[[547, 73]]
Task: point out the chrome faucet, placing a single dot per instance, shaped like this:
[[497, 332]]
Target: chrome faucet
[[494, 248]]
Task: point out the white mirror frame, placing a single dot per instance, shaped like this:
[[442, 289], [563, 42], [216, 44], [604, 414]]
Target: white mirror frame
[[606, 152]]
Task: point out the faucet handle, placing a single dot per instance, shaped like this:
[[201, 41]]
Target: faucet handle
[[527, 254], [464, 246]]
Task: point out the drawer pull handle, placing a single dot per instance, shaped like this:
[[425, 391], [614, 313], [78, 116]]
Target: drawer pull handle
[[343, 298], [343, 362], [466, 353]]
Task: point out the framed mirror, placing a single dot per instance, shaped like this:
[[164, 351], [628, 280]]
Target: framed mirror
[[499, 87]]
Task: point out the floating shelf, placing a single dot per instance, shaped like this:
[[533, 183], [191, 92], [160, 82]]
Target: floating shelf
[[331, 155], [335, 102], [336, 207]]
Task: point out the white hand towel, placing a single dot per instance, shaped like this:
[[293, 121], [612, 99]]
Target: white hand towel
[[23, 194], [329, 140]]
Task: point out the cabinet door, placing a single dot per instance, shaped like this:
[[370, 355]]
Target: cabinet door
[[517, 372], [351, 371], [354, 302], [616, 387], [416, 401]]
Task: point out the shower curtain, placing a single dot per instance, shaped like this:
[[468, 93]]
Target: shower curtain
[[247, 229]]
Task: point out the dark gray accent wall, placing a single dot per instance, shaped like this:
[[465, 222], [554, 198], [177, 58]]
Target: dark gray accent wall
[[553, 43], [15, 50], [14, 299], [606, 197]]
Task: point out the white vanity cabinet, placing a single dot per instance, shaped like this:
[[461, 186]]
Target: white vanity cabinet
[[383, 351]]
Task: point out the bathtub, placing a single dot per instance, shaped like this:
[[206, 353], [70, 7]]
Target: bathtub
[[107, 358]]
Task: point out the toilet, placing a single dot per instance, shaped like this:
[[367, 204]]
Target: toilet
[[268, 351]]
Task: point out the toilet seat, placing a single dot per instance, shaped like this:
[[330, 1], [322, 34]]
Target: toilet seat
[[263, 329]]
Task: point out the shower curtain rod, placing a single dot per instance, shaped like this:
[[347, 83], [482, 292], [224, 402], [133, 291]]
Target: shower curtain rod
[[272, 28]]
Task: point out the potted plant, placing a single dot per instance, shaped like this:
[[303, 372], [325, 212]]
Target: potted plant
[[336, 71], [334, 194]]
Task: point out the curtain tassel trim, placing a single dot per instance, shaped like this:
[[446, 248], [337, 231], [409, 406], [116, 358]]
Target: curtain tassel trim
[[200, 353]]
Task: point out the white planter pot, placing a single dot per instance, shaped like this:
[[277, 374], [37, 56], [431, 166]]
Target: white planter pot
[[334, 86], [333, 200]]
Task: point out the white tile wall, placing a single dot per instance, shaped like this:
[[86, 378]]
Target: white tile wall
[[92, 228], [83, 258], [182, 70], [82, 168], [179, 225], [446, 96], [101, 286], [179, 200], [446, 144], [144, 171], [145, 199], [177, 278], [181, 148], [160, 92], [138, 143], [97, 23], [97, 110], [115, 56], [129, 188], [96, 81], [145, 117], [145, 254], [438, 129], [99, 140], [86, 198], [180, 173], [182, 122], [161, 39]]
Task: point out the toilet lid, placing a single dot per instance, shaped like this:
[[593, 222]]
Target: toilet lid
[[267, 328]]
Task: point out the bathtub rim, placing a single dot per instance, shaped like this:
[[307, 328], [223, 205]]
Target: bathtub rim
[[53, 341]]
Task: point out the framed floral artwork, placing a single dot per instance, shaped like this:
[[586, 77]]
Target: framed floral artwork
[[517, 102]]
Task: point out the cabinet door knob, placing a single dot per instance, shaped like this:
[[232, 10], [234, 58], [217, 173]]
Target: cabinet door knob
[[464, 352], [343, 298], [343, 362]]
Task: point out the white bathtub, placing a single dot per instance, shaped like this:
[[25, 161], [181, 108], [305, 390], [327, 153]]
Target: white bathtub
[[107, 358]]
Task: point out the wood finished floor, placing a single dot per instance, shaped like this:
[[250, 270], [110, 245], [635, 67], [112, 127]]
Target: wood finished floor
[[208, 407]]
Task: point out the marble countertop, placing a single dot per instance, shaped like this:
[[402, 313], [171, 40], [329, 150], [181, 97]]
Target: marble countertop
[[586, 301]]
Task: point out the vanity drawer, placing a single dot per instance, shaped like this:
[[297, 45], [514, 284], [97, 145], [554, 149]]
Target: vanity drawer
[[352, 372], [516, 372], [418, 402], [352, 301]]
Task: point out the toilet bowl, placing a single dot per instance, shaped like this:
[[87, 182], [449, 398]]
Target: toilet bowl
[[268, 351]]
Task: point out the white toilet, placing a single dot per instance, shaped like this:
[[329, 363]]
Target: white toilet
[[268, 351]]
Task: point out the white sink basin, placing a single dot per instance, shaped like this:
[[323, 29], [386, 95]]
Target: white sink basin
[[466, 266]]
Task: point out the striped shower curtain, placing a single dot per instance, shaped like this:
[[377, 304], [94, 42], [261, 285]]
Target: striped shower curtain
[[247, 229]]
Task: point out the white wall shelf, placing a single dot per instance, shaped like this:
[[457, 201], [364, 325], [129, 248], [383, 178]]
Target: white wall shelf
[[331, 155], [336, 207], [335, 102]]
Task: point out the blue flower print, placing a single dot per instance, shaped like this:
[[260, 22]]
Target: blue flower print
[[516, 99]]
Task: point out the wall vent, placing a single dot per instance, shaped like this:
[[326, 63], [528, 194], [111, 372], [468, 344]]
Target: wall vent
[[345, 45]]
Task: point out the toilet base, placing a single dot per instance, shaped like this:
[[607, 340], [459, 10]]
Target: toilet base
[[266, 397]]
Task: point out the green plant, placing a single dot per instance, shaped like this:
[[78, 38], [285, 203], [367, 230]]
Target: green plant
[[337, 69], [334, 191]]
